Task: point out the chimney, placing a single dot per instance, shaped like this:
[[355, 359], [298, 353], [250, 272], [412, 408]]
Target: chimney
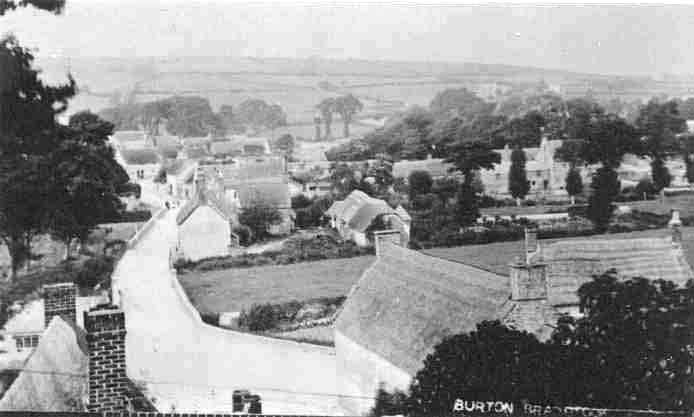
[[531, 244], [59, 300], [383, 237], [105, 326], [676, 225], [528, 280]]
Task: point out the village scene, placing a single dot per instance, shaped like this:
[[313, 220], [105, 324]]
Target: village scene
[[289, 235]]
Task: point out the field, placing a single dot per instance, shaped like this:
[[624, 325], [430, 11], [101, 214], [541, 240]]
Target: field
[[319, 335], [496, 256], [235, 289]]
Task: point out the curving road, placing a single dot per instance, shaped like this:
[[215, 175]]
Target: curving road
[[192, 367]]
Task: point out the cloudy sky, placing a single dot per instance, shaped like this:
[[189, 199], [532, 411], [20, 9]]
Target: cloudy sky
[[645, 40]]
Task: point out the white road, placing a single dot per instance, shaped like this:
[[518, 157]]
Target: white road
[[192, 367]]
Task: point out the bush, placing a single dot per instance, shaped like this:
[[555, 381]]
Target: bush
[[645, 186], [259, 318], [244, 233], [300, 201], [94, 271]]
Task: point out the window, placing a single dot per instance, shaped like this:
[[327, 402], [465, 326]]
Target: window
[[26, 341]]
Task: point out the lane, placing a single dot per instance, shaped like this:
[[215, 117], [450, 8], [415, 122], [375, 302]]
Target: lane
[[193, 367]]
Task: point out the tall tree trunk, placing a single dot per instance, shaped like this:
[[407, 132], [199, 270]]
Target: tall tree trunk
[[573, 200], [346, 129], [518, 201], [328, 132], [318, 137]]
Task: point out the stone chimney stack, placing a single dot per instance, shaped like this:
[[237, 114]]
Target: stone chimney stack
[[528, 281], [105, 326], [675, 224], [381, 237], [59, 300], [531, 244]]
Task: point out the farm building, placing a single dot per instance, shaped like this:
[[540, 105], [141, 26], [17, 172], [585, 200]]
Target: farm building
[[354, 216], [407, 301], [205, 227]]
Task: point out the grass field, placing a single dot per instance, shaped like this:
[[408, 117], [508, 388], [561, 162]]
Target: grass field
[[234, 289], [496, 256], [322, 335]]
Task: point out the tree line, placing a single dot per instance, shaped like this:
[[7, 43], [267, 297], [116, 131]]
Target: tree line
[[192, 116]]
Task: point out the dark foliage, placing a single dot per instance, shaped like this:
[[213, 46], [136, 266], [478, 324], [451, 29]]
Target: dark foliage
[[518, 184], [605, 186], [419, 182], [259, 219], [574, 183]]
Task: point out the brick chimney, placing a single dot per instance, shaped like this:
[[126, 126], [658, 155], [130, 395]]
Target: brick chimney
[[383, 236], [675, 224], [59, 300], [105, 326], [528, 280]]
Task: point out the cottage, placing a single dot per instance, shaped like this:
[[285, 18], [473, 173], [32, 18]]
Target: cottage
[[436, 167], [131, 139], [264, 192], [205, 227], [354, 216], [179, 178]]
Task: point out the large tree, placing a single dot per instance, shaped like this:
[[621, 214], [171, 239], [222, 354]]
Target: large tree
[[326, 108], [86, 181], [518, 184], [54, 6], [419, 182], [459, 102], [658, 124], [574, 183], [28, 135], [347, 106]]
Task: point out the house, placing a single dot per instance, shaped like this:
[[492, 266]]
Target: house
[[436, 167], [264, 192], [353, 217], [239, 145], [179, 177], [205, 227], [407, 301], [144, 161], [57, 376]]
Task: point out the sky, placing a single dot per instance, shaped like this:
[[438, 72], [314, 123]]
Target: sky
[[618, 39]]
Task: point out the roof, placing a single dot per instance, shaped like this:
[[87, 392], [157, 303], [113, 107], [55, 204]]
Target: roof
[[166, 141], [571, 263], [196, 152], [177, 166], [62, 359], [436, 167], [225, 148], [272, 192], [226, 211], [358, 210], [202, 141], [406, 302]]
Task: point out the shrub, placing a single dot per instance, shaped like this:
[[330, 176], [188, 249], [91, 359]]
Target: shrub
[[645, 186], [244, 233], [94, 271], [259, 318], [300, 201]]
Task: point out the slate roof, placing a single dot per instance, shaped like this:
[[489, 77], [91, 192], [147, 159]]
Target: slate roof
[[406, 302], [140, 156], [436, 167], [129, 135], [573, 262]]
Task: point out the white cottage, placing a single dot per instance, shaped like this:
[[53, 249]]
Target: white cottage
[[205, 228]]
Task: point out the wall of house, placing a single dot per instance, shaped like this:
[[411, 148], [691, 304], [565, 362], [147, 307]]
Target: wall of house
[[360, 238], [204, 234], [359, 372]]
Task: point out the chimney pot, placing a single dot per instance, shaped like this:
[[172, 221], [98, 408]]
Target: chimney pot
[[528, 281], [390, 236], [59, 300]]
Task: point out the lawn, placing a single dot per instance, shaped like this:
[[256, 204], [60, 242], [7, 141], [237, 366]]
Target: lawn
[[238, 288], [684, 203], [496, 256]]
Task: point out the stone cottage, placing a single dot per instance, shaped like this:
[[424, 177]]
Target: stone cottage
[[205, 226], [353, 216]]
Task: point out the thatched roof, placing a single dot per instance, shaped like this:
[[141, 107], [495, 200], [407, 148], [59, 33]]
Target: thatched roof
[[268, 192], [129, 136], [572, 262], [55, 376], [358, 210], [406, 302], [140, 156]]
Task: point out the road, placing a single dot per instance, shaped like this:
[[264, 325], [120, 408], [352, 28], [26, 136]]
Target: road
[[193, 367]]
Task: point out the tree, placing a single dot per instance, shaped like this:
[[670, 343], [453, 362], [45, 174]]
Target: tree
[[420, 182], [54, 6], [658, 124], [574, 183], [85, 186], [275, 117], [28, 135], [491, 362], [605, 186], [326, 108], [259, 219], [285, 144], [459, 102], [635, 337], [347, 106], [189, 116], [518, 184]]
